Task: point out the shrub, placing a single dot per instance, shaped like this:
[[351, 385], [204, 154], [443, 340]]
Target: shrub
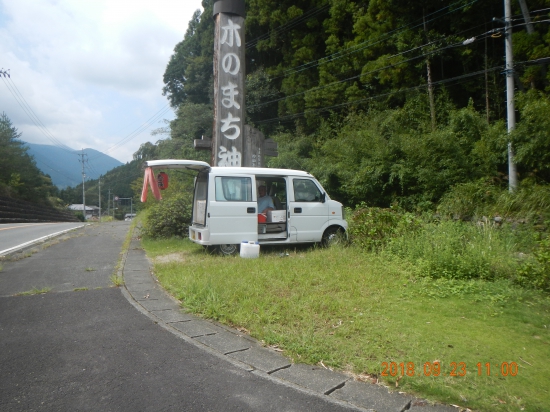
[[536, 272], [467, 200], [474, 199], [372, 228], [459, 250], [169, 217]]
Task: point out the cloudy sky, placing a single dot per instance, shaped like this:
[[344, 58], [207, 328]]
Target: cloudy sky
[[89, 73]]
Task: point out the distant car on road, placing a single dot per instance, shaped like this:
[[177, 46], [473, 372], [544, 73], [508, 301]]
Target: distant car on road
[[129, 216]]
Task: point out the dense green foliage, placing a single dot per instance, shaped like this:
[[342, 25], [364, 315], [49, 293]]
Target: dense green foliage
[[169, 217], [536, 272], [343, 87], [373, 228], [487, 250], [19, 176]]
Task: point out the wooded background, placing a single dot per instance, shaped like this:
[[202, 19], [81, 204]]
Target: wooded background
[[386, 102]]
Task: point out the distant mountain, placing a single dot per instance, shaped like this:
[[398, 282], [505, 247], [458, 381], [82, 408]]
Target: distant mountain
[[64, 167]]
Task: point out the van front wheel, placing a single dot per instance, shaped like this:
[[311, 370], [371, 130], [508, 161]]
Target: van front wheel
[[333, 236], [228, 249]]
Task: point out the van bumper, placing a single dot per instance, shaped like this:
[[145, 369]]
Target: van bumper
[[200, 235]]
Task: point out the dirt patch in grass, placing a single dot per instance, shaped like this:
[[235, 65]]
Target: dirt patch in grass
[[172, 257]]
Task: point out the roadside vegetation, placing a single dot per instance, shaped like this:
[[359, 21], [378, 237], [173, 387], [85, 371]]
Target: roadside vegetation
[[444, 263], [34, 291], [20, 178], [417, 299]]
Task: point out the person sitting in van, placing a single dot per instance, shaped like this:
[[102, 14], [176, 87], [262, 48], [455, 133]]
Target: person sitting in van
[[265, 202]]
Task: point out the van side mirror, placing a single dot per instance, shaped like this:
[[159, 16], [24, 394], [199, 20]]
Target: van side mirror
[[323, 197]]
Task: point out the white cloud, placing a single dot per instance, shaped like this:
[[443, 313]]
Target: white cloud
[[90, 71]]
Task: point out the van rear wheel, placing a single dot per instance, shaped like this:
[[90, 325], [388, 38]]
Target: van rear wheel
[[228, 249]]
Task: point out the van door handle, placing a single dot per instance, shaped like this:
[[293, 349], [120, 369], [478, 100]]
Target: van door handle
[[297, 210], [251, 210]]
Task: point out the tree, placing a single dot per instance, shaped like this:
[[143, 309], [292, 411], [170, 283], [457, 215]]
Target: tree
[[19, 175], [381, 100], [189, 73], [531, 138]]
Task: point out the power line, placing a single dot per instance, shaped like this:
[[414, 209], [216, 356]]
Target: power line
[[371, 42], [20, 99], [148, 123], [290, 24], [423, 55], [358, 101]]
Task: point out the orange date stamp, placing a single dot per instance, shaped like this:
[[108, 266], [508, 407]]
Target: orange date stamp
[[455, 369]]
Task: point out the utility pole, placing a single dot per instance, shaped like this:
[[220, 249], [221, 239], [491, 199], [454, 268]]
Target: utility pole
[[430, 83], [83, 177], [109, 204], [99, 182], [511, 113]]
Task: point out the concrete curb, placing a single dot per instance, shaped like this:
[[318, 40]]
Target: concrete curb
[[145, 293]]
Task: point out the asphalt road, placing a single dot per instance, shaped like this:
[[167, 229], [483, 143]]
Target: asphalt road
[[13, 235], [83, 347]]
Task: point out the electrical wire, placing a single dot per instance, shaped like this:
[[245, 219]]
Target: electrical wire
[[22, 102], [379, 39], [358, 101], [148, 123], [290, 24], [20, 99], [422, 86], [423, 55], [58, 172], [369, 43]]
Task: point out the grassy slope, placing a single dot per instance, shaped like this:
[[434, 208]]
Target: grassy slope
[[353, 310]]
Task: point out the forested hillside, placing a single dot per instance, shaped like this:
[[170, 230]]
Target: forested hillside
[[68, 168], [115, 183], [386, 102], [20, 178]]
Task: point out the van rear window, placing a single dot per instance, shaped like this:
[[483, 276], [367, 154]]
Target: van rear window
[[233, 189]]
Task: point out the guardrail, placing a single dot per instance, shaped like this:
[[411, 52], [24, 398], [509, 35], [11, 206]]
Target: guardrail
[[19, 211]]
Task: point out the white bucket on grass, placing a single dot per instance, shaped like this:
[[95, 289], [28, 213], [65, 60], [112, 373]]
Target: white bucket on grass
[[250, 249]]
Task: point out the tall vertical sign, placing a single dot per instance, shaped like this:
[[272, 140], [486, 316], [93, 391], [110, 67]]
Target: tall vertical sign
[[233, 143], [229, 72]]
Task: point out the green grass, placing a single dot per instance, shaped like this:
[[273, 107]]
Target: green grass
[[353, 310], [117, 280], [34, 291]]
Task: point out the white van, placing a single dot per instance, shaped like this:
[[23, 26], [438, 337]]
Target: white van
[[225, 210]]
